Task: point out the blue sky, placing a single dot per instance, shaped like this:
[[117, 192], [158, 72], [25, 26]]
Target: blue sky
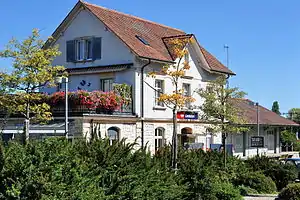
[[263, 36]]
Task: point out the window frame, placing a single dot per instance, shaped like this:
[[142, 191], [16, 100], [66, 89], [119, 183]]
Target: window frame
[[117, 138], [159, 140], [102, 83], [187, 104], [158, 92], [82, 52]]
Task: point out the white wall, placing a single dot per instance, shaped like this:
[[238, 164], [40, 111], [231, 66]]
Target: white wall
[[114, 51], [199, 80], [269, 142]]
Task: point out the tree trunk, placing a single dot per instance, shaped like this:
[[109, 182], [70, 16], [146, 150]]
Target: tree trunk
[[224, 147], [25, 137], [174, 140]]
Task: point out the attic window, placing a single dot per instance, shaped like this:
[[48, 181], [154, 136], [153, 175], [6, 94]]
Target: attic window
[[145, 42]]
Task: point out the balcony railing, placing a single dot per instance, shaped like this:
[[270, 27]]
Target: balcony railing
[[84, 110]]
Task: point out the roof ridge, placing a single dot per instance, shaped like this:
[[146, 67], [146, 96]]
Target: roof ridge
[[136, 17]]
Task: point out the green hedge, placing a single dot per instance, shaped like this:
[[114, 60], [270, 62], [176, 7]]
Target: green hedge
[[291, 192], [280, 173], [257, 181], [57, 169]]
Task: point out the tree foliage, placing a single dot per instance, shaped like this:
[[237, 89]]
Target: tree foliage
[[275, 107], [178, 49], [176, 99], [31, 70], [294, 114], [219, 107]]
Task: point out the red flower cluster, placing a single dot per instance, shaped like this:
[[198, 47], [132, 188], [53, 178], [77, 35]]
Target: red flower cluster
[[108, 101]]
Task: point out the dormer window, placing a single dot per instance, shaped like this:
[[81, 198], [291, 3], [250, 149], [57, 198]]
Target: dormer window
[[84, 49]]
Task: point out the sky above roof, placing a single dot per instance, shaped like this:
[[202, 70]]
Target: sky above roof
[[263, 36]]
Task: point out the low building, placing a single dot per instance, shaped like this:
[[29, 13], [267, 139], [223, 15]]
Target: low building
[[269, 124]]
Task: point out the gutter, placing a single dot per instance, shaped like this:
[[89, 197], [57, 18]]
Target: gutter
[[142, 101]]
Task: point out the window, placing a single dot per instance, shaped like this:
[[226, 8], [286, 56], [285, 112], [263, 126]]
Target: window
[[113, 135], [159, 89], [187, 57], [187, 93], [159, 138], [84, 49], [107, 84], [145, 42]]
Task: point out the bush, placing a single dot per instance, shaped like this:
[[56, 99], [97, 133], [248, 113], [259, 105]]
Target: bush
[[226, 191], [257, 181], [57, 169], [291, 192], [244, 191], [280, 173]]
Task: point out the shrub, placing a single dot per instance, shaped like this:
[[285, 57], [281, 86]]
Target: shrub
[[244, 190], [291, 192], [281, 174], [226, 191], [257, 181]]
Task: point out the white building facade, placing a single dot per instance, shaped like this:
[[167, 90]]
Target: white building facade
[[101, 47]]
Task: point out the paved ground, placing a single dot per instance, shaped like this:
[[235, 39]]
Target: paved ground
[[259, 198], [273, 197]]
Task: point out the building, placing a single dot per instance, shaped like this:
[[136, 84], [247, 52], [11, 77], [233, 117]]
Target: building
[[101, 47], [269, 124]]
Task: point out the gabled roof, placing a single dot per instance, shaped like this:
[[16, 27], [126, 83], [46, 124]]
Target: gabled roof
[[248, 110], [127, 28]]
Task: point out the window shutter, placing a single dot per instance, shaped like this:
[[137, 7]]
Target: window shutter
[[71, 51], [97, 48]]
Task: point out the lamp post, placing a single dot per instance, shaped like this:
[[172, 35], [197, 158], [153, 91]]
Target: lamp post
[[65, 81]]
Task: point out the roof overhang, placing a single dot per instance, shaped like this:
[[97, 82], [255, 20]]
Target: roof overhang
[[99, 69]]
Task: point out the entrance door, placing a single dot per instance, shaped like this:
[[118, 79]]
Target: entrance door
[[186, 136]]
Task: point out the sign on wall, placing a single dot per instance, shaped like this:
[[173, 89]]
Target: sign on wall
[[187, 115], [257, 141]]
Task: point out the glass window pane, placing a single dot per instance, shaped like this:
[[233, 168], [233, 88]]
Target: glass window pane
[[158, 92], [78, 50], [88, 49]]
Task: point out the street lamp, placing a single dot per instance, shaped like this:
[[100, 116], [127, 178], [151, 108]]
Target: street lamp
[[257, 118], [65, 81]]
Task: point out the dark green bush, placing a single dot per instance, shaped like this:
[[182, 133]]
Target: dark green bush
[[257, 181], [291, 192], [226, 191], [57, 169], [280, 173], [244, 191]]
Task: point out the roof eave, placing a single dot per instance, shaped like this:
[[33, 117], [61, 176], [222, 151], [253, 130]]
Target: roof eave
[[63, 24]]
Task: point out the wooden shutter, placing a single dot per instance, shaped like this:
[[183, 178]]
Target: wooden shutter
[[70, 51], [97, 48]]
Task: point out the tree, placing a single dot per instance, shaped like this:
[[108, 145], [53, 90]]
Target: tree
[[275, 107], [294, 114], [220, 111], [176, 100], [31, 71]]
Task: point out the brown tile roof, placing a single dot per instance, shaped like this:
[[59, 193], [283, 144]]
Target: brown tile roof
[[266, 117], [215, 64], [127, 27]]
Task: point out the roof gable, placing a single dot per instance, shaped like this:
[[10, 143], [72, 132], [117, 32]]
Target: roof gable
[[129, 28]]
